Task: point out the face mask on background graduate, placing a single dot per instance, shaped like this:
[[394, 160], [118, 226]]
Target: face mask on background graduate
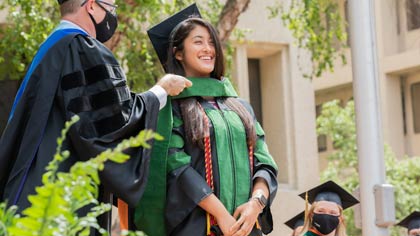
[[106, 28], [325, 223]]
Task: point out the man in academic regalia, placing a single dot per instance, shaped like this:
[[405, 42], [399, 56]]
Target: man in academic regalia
[[73, 73]]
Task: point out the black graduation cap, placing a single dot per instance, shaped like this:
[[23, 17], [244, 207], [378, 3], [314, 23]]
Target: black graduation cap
[[296, 221], [412, 221], [159, 34], [332, 192]]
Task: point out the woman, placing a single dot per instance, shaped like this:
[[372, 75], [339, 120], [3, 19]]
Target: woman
[[412, 223], [325, 217], [220, 176]]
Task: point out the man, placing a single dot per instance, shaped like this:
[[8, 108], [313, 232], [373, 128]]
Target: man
[[73, 73]]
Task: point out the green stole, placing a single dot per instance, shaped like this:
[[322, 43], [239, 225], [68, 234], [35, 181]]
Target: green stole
[[150, 212], [310, 233]]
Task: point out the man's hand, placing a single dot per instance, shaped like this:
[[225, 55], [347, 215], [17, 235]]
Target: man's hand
[[248, 214], [174, 84]]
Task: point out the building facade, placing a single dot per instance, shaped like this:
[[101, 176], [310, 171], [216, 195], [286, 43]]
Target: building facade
[[267, 74]]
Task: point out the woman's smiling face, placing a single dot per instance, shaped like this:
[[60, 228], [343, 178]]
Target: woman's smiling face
[[199, 55]]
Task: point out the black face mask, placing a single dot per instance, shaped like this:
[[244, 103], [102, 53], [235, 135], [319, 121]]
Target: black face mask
[[325, 223], [106, 28]]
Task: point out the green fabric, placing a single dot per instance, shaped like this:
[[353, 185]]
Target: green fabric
[[177, 122], [149, 214], [176, 141], [232, 153], [177, 160], [309, 233], [261, 150], [208, 87]]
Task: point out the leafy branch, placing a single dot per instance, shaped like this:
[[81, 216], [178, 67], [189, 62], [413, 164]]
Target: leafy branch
[[318, 27], [55, 206]]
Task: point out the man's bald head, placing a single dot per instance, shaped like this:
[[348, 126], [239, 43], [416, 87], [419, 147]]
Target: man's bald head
[[70, 6]]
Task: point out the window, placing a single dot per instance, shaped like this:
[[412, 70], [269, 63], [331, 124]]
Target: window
[[403, 102], [415, 99], [322, 139], [412, 8], [255, 87]]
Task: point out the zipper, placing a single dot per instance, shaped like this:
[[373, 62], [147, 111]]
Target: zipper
[[232, 159]]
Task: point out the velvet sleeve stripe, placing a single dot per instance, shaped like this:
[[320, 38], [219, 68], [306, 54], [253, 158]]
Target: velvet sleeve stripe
[[99, 100], [92, 75]]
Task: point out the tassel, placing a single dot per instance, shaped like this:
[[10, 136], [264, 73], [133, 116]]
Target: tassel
[[257, 224], [208, 224]]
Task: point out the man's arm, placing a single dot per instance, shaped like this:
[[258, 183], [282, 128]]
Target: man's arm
[[171, 85]]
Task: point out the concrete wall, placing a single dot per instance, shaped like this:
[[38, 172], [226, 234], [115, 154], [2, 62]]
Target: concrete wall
[[287, 105], [289, 100]]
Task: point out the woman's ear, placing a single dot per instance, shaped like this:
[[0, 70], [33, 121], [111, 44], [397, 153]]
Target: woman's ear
[[178, 55]]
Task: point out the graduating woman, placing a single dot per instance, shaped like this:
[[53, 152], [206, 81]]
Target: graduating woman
[[220, 177], [325, 217]]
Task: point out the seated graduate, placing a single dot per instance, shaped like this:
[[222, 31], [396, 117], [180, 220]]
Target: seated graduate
[[220, 175], [325, 217], [296, 223], [412, 223]]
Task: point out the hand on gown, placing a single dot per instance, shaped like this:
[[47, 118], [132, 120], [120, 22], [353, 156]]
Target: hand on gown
[[246, 215], [174, 84]]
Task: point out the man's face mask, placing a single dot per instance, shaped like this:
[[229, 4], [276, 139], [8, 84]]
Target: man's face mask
[[325, 223], [106, 28]]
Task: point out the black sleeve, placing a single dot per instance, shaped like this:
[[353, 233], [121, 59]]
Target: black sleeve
[[186, 187], [93, 86]]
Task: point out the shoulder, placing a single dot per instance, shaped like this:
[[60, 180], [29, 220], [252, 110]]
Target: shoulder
[[89, 47], [246, 105]]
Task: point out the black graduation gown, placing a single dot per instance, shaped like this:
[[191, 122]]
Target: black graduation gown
[[186, 182], [78, 75]]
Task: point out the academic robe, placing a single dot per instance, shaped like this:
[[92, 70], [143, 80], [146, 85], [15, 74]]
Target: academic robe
[[184, 167], [77, 75]]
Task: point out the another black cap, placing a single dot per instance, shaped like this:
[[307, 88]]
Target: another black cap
[[159, 34], [412, 221], [61, 1], [296, 221], [332, 192]]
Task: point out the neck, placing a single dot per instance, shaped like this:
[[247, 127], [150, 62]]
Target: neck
[[83, 21]]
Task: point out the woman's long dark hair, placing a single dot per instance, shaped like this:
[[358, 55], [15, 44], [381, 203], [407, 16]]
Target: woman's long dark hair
[[192, 114]]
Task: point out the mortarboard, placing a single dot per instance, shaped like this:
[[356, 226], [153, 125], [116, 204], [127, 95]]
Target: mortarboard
[[332, 192], [412, 221], [160, 33], [296, 221]]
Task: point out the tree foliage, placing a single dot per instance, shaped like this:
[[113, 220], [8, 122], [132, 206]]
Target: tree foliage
[[30, 22], [55, 208], [338, 123], [318, 27]]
